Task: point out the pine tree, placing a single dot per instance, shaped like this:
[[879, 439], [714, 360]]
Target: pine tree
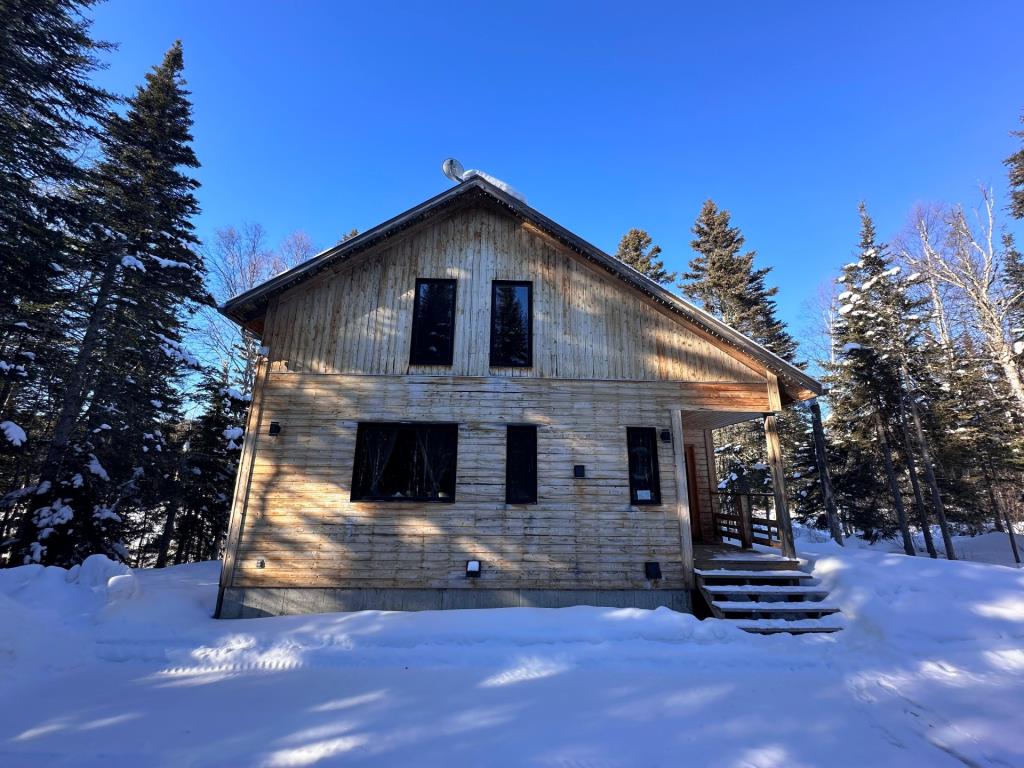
[[198, 496], [48, 110], [636, 250], [108, 450], [723, 279], [725, 282], [1015, 163], [876, 379]]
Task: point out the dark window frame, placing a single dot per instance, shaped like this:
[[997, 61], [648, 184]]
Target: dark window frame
[[358, 494], [528, 284], [651, 437], [511, 481], [416, 343]]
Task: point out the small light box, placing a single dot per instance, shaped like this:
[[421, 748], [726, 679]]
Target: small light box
[[472, 569], [261, 563], [666, 436], [652, 570], [275, 428], [579, 470]]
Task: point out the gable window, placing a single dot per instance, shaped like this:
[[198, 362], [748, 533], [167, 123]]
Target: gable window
[[511, 324], [405, 462], [433, 323], [644, 485], [521, 464]]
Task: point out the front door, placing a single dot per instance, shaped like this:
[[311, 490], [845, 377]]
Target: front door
[[694, 496]]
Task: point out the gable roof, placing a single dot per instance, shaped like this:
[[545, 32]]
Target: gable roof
[[248, 308]]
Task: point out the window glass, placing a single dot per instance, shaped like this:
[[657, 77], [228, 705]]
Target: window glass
[[405, 462], [521, 465], [644, 485], [433, 323], [511, 324]]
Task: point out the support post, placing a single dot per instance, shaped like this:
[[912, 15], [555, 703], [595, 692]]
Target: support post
[[682, 499], [771, 435]]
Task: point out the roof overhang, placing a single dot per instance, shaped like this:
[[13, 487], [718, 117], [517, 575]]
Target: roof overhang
[[248, 308]]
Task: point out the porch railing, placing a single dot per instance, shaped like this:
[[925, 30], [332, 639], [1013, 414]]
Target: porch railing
[[748, 518]]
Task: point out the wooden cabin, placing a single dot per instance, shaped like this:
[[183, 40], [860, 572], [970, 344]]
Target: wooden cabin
[[470, 406]]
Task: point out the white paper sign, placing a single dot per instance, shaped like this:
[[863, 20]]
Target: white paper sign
[[643, 495]]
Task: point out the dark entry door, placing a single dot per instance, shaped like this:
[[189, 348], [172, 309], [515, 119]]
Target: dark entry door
[[694, 495]]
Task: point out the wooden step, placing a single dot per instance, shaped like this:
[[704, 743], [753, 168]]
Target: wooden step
[[794, 627], [738, 606], [770, 575], [767, 590], [749, 564]]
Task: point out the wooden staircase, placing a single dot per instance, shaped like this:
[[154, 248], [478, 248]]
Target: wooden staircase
[[762, 592]]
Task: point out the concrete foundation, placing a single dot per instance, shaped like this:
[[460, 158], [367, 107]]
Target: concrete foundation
[[254, 602]]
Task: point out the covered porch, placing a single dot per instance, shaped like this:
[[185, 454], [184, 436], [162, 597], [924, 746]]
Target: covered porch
[[723, 523]]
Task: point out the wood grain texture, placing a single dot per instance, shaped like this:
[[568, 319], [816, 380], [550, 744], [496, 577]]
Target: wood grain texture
[[587, 324], [605, 358], [301, 521]]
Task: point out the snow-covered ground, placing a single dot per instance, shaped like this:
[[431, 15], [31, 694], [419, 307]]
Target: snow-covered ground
[[105, 667]]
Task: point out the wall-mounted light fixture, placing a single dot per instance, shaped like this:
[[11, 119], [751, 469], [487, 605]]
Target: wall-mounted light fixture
[[652, 570], [261, 563], [275, 428], [666, 435], [579, 470], [472, 569]]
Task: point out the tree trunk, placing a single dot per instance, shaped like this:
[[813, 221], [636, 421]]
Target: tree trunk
[[1012, 373], [929, 476], [997, 513], [74, 391], [164, 545], [915, 483], [894, 487], [831, 513]]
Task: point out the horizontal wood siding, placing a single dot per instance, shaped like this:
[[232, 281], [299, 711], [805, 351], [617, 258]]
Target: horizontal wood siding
[[357, 318], [581, 534]]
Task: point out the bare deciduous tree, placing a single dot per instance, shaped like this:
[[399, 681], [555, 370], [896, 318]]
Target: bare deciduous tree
[[964, 265], [238, 260]]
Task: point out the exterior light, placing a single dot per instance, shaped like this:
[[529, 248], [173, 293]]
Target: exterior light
[[275, 428], [472, 569], [579, 470], [261, 563], [652, 570], [666, 436]]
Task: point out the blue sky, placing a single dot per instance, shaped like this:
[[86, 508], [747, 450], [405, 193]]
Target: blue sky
[[323, 116]]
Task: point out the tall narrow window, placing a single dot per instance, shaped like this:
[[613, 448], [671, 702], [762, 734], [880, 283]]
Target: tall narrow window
[[405, 462], [433, 323], [521, 465], [644, 485], [511, 324]]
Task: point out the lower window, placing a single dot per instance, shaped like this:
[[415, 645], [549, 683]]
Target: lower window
[[521, 464], [405, 462], [644, 484]]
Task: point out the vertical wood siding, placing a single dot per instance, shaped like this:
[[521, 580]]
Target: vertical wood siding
[[587, 324]]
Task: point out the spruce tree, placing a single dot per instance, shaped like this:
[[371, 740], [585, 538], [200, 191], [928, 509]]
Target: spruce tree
[[48, 110], [636, 250], [197, 499], [1015, 163], [723, 279], [108, 453], [877, 377]]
